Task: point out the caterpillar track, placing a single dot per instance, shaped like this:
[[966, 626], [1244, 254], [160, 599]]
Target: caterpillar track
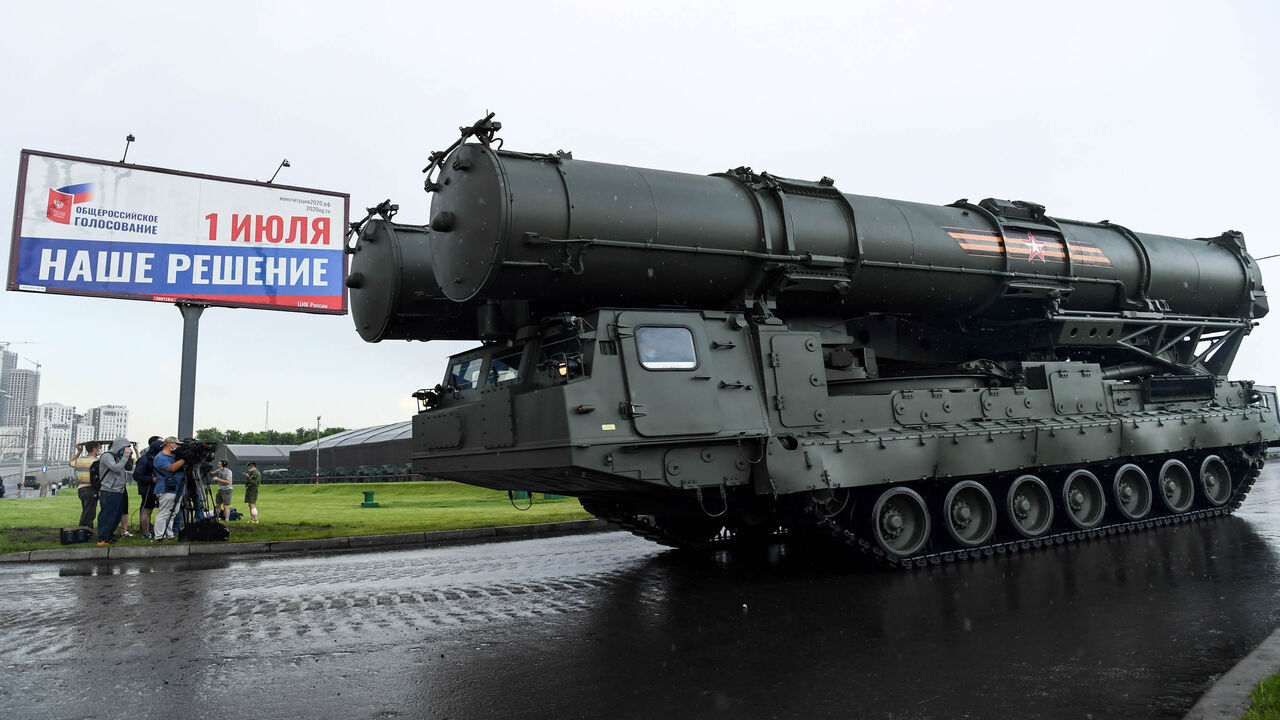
[[843, 533]]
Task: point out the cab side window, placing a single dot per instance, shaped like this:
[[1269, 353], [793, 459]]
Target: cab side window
[[504, 368], [666, 348]]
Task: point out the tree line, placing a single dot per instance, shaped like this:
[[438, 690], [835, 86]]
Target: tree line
[[263, 437]]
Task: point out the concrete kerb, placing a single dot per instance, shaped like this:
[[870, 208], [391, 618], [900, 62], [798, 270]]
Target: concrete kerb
[[1229, 697], [361, 542]]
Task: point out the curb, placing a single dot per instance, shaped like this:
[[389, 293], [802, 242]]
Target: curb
[[436, 538], [1229, 697]]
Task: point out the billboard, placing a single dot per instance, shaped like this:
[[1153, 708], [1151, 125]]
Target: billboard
[[92, 227]]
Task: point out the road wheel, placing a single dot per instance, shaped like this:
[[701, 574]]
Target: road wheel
[[1029, 506], [1176, 489], [900, 522], [1083, 500], [1132, 492], [969, 513], [1215, 481]]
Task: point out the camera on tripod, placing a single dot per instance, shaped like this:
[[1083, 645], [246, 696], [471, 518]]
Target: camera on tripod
[[197, 454]]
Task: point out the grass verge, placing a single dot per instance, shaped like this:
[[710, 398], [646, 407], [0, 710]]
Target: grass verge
[[1265, 700], [300, 512]]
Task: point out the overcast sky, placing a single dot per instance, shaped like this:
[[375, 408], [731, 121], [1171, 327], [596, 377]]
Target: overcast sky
[[1159, 116]]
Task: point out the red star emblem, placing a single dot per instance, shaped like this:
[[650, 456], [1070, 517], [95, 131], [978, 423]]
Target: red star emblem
[[1035, 248]]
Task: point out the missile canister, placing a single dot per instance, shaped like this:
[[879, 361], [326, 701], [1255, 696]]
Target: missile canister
[[570, 235]]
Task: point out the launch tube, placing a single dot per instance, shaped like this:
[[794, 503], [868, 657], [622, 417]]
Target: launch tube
[[568, 235]]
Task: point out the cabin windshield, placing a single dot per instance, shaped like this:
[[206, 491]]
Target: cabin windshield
[[465, 374]]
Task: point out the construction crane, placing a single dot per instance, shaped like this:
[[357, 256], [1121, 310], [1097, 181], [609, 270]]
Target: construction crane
[[4, 344]]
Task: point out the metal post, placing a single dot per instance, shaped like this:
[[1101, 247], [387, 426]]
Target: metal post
[[187, 386], [22, 474], [317, 449]]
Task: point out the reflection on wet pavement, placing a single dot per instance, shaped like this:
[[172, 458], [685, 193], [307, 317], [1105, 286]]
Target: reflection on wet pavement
[[612, 626]]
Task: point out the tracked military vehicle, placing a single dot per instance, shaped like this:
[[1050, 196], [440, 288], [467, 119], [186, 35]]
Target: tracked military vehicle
[[706, 359]]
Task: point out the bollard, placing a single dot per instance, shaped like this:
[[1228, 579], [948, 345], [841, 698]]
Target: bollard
[[368, 499]]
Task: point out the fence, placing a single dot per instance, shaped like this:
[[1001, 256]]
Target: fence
[[361, 474]]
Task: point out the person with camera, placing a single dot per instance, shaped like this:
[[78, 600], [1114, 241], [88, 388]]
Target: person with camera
[[169, 479], [86, 454], [144, 476], [113, 489]]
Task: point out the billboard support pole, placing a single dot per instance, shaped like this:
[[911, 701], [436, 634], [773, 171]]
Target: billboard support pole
[[187, 387]]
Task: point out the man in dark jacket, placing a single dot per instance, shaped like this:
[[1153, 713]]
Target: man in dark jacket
[[144, 475]]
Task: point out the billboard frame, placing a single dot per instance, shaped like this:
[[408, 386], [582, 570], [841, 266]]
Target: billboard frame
[[19, 207]]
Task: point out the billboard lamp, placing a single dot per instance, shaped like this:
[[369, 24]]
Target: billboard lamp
[[283, 164], [127, 139]]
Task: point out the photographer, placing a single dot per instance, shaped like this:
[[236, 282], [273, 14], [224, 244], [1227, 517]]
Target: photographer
[[144, 475], [169, 478], [113, 488], [88, 496]]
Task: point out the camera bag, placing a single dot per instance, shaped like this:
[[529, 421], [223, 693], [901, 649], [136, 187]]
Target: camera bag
[[71, 535], [208, 530]]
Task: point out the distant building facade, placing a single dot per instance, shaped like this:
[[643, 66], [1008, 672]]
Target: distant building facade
[[110, 421], [21, 393], [8, 361], [51, 442], [11, 443], [82, 430]]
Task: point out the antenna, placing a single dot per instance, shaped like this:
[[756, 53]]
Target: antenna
[[283, 164], [127, 140]]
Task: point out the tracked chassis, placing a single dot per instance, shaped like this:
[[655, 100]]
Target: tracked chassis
[[849, 529]]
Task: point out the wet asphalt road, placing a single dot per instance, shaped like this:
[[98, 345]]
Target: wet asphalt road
[[612, 626]]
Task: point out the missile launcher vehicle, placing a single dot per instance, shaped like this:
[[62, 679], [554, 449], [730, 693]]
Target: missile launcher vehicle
[[727, 358]]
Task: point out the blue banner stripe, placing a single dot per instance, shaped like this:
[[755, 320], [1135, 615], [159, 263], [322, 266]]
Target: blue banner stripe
[[146, 268]]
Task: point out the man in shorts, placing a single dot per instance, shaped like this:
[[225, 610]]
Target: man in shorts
[[222, 503], [252, 479]]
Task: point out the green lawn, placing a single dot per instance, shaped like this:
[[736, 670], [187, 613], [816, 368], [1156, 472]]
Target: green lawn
[[1266, 700], [296, 512]]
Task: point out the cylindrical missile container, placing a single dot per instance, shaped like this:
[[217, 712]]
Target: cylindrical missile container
[[572, 235]]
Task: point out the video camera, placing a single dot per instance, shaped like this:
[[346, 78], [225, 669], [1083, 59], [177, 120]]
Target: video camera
[[199, 457], [195, 452]]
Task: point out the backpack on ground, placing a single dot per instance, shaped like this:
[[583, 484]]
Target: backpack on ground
[[95, 475]]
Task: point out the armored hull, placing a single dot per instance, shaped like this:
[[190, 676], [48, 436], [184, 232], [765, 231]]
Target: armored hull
[[726, 358]]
